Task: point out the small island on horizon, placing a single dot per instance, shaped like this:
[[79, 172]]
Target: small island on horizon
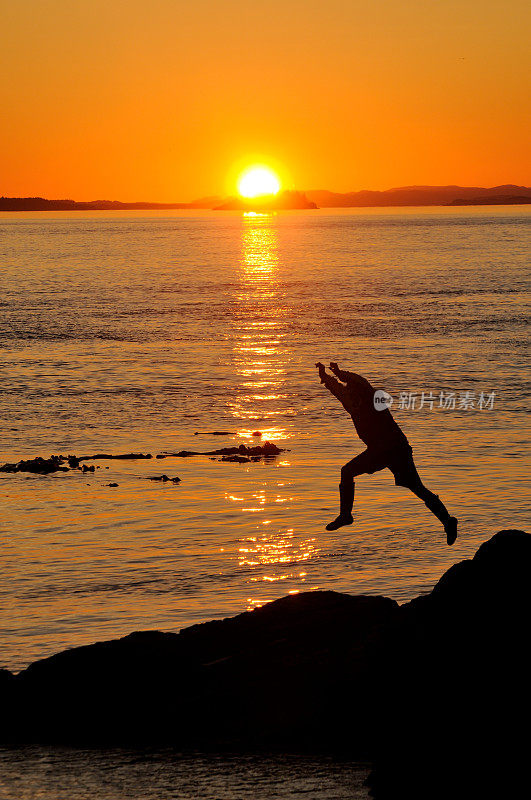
[[283, 201], [404, 196]]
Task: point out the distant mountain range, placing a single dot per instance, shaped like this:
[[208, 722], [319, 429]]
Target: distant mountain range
[[423, 196], [402, 196]]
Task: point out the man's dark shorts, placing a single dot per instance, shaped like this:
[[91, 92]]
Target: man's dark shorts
[[398, 459]]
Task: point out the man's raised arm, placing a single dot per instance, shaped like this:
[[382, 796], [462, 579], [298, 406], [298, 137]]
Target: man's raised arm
[[351, 378], [333, 386]]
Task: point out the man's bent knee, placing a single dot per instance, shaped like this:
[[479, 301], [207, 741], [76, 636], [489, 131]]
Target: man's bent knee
[[347, 474]]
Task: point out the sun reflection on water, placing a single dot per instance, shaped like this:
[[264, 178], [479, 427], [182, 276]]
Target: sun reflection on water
[[272, 553], [260, 353], [275, 557]]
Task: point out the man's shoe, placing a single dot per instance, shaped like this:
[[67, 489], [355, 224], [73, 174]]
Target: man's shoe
[[339, 522], [450, 526]]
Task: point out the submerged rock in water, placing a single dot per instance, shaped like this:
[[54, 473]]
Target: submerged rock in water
[[101, 456], [237, 459], [213, 433], [164, 479], [45, 466], [268, 449], [38, 465]]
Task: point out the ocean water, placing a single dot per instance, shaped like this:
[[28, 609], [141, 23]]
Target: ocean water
[[46, 773], [134, 332]]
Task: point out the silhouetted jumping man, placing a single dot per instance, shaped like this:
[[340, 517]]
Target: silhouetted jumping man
[[387, 447]]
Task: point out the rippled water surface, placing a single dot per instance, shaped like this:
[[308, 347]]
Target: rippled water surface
[[49, 773], [133, 332]]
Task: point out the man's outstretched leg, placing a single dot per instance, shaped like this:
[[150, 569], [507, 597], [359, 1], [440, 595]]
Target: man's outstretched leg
[[437, 507], [346, 501], [355, 467]]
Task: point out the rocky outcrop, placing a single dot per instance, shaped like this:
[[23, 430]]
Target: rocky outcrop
[[435, 691], [454, 674], [276, 677], [6, 679]]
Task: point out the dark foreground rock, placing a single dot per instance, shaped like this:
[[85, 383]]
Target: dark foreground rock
[[435, 692], [273, 677], [455, 684]]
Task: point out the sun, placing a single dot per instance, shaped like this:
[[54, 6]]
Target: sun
[[258, 181]]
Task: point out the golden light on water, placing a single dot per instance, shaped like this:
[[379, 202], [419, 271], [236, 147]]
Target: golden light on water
[[260, 354], [280, 549], [261, 359]]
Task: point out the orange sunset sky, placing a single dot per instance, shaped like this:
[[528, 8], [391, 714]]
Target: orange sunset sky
[[166, 99]]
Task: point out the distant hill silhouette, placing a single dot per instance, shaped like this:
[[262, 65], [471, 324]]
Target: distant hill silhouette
[[282, 201], [402, 196], [41, 204], [422, 196]]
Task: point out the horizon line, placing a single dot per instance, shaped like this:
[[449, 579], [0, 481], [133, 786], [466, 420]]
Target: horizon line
[[216, 197]]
